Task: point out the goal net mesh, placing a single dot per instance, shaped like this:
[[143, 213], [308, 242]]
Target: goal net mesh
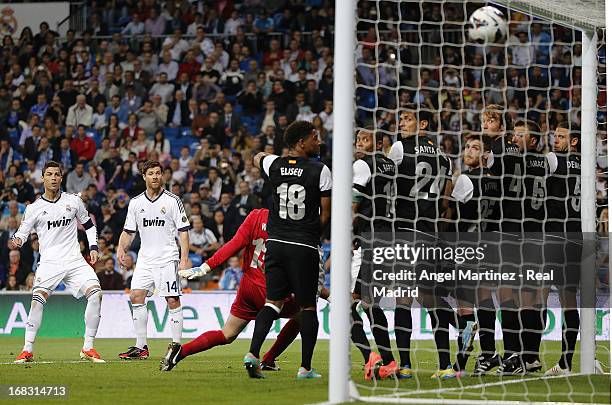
[[416, 57]]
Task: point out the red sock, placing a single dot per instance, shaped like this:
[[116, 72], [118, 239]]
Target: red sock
[[205, 341], [284, 339]]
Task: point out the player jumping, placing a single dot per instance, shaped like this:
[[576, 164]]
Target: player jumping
[[250, 297], [159, 216], [54, 217]]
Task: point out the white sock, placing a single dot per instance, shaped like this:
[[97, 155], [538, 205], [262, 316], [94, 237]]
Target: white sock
[[34, 321], [139, 315], [176, 323], [92, 317]]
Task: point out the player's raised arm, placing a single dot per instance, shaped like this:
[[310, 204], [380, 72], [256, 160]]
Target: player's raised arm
[[27, 224], [241, 240], [90, 230]]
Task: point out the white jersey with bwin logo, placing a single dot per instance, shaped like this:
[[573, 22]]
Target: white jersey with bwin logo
[[158, 221], [55, 223]]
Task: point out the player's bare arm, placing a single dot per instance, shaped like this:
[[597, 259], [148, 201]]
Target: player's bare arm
[[184, 243], [125, 240], [325, 210]]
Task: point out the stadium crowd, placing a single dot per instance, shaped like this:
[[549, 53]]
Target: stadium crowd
[[202, 86]]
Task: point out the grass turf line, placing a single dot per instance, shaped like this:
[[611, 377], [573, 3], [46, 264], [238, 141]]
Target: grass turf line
[[218, 375]]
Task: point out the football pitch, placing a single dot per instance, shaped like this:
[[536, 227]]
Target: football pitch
[[218, 376]]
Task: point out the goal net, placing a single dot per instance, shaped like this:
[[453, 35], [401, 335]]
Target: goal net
[[480, 266]]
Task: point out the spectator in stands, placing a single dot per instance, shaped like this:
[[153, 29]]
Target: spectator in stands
[[159, 143], [168, 66], [117, 109], [25, 191], [80, 113], [178, 111], [83, 145], [28, 283], [32, 142], [66, 156], [134, 27], [148, 119], [11, 284], [78, 179], [41, 106], [44, 153], [16, 266], [202, 242], [523, 52], [251, 101], [109, 278], [232, 80], [13, 213], [231, 276], [155, 24], [163, 88]]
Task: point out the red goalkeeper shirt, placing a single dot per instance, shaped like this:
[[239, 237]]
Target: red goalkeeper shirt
[[251, 236]]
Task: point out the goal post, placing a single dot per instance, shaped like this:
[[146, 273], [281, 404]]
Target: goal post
[[585, 16], [342, 180], [587, 203]]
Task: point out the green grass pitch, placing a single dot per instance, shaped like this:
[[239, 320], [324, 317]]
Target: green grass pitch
[[218, 376]]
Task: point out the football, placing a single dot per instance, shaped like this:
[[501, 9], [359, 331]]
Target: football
[[487, 25]]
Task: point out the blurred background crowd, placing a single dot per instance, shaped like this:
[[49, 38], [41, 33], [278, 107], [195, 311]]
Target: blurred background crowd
[[204, 85]]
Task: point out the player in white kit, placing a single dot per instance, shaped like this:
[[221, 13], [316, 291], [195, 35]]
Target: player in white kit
[[159, 216], [53, 217]]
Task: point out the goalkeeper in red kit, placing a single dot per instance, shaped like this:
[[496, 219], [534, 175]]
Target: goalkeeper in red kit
[[250, 298]]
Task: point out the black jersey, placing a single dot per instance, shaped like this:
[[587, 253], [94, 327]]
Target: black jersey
[[507, 166], [478, 198], [422, 173], [373, 178], [298, 185], [563, 198], [538, 168]]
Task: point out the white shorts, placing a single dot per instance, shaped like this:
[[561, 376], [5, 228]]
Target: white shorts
[[77, 275], [355, 267], [163, 279]]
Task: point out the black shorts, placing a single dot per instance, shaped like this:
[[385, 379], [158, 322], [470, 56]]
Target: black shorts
[[293, 269]]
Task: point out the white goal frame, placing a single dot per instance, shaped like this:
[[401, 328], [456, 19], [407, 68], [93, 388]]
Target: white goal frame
[[340, 388]]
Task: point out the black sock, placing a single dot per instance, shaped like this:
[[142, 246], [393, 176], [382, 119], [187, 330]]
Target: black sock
[[309, 331], [263, 324], [380, 330], [440, 321], [462, 358], [358, 334], [486, 327], [452, 316], [510, 328], [542, 320], [571, 327], [530, 324], [403, 334]]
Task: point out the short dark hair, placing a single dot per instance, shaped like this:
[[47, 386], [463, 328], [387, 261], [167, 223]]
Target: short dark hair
[[485, 140], [532, 126], [419, 113], [150, 164], [377, 136], [297, 131], [51, 163]]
